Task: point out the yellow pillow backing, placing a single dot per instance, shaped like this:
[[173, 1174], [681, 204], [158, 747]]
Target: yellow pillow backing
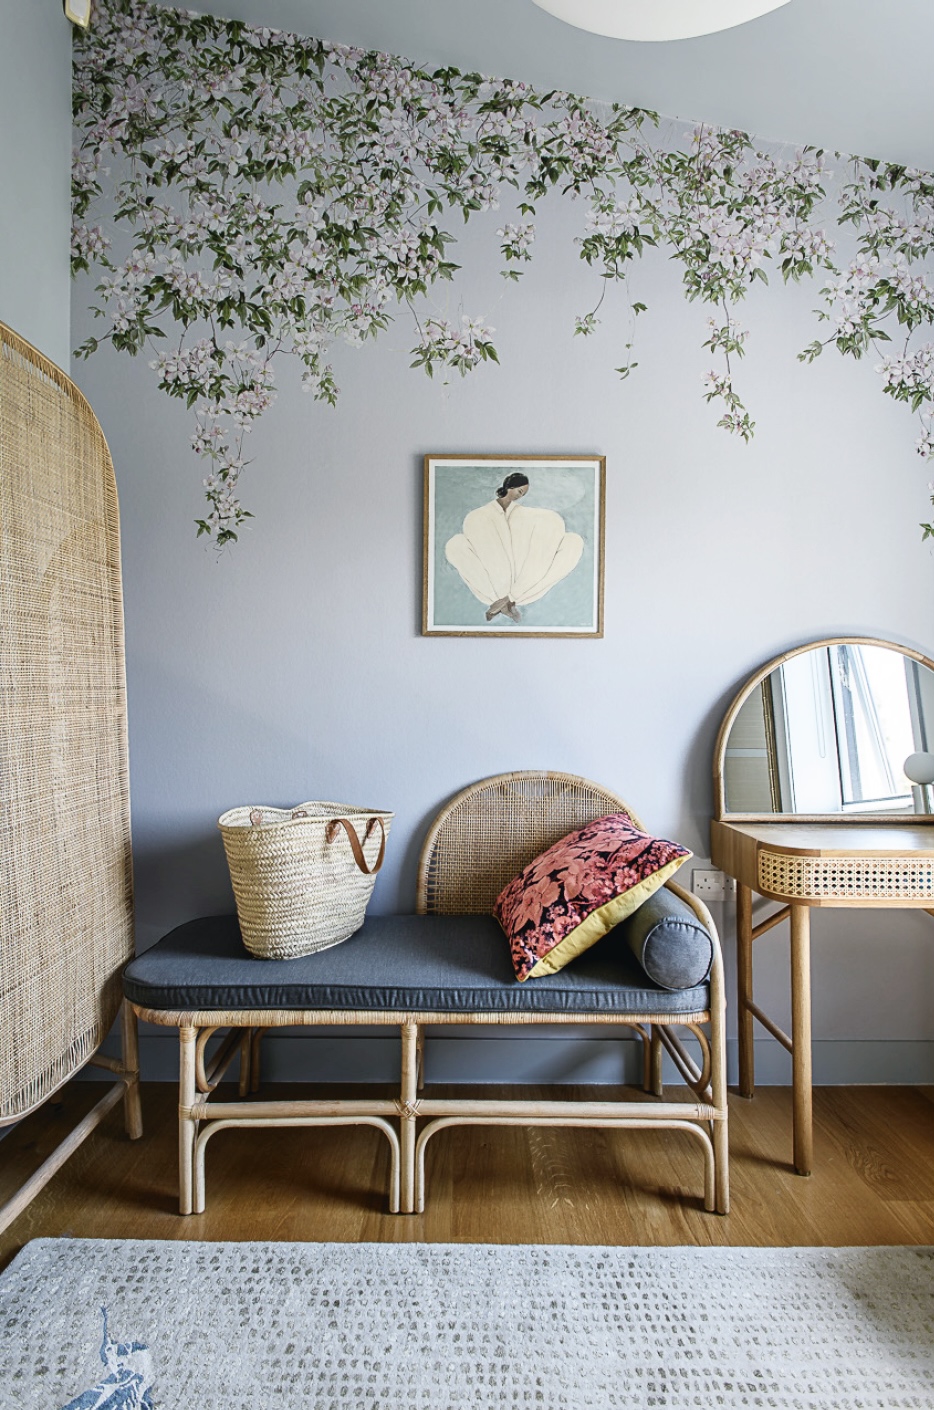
[[570, 896]]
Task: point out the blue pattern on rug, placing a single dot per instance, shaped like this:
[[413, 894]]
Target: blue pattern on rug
[[128, 1381]]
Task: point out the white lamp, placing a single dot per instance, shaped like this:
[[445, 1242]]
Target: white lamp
[[657, 19], [919, 768]]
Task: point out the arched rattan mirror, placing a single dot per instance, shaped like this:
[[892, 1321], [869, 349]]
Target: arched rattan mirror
[[835, 730]]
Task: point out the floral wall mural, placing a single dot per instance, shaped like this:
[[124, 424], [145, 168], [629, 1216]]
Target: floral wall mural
[[243, 196]]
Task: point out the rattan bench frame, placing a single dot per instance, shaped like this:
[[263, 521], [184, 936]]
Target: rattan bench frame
[[520, 814]]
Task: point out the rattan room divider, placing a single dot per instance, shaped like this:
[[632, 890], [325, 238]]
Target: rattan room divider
[[66, 898]]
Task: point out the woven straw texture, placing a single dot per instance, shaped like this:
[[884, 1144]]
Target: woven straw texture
[[490, 831], [297, 885], [65, 872], [860, 878]]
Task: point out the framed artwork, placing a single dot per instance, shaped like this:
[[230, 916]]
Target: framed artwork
[[513, 545], [78, 11]]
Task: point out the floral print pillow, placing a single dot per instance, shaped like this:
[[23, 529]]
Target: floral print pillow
[[570, 896]]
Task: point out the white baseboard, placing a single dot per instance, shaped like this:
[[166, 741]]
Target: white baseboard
[[554, 1057]]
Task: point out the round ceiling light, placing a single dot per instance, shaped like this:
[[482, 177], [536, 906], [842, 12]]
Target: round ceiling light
[[657, 19]]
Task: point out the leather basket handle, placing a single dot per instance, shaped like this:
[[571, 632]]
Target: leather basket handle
[[336, 824]]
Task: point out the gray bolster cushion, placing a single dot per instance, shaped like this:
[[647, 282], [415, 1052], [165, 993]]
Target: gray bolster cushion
[[669, 941]]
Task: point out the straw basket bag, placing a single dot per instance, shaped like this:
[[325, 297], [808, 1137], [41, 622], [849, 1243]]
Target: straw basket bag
[[302, 876]]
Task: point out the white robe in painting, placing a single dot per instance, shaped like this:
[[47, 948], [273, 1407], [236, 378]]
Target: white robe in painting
[[517, 553]]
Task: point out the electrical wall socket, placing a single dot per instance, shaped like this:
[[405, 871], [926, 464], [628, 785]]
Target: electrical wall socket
[[708, 883]]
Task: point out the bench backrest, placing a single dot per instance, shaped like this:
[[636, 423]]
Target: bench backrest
[[485, 835]]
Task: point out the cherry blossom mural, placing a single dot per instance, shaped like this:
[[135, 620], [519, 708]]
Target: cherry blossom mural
[[242, 196]]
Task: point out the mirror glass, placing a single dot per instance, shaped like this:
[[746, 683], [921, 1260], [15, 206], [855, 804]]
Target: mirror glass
[[844, 729]]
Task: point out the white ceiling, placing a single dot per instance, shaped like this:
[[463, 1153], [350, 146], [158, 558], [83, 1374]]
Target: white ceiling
[[850, 75]]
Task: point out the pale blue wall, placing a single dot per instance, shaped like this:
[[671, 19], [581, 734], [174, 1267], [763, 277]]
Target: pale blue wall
[[293, 667], [35, 161]]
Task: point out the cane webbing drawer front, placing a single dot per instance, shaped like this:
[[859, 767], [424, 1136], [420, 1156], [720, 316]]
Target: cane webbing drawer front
[[865, 878]]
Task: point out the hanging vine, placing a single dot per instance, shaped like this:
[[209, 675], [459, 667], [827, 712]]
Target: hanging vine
[[244, 195]]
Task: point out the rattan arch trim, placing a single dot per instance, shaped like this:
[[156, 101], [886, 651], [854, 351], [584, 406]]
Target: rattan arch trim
[[474, 847]]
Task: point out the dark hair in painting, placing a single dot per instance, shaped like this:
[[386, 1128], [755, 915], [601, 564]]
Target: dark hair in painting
[[512, 482]]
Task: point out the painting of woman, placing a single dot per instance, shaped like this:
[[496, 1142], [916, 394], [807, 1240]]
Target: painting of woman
[[513, 545], [510, 554]]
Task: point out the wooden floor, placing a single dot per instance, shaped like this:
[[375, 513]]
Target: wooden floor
[[873, 1181]]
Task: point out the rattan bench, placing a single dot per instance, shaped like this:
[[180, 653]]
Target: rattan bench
[[448, 964]]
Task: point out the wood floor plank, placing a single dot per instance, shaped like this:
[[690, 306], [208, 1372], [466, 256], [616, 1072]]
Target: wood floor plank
[[873, 1181], [872, 1138]]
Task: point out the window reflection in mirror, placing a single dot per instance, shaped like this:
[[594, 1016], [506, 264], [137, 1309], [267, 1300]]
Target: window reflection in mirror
[[828, 732]]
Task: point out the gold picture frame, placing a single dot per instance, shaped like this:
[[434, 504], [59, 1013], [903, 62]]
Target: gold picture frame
[[78, 11], [513, 545]]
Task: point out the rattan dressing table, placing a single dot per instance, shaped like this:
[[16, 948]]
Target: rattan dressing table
[[852, 857]]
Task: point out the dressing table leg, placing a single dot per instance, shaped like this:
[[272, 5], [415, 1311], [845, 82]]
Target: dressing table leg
[[747, 1060], [801, 1037]]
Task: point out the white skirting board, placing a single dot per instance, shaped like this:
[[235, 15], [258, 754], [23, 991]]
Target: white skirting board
[[373, 1056]]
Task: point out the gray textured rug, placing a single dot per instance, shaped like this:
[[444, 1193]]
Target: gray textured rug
[[100, 1325]]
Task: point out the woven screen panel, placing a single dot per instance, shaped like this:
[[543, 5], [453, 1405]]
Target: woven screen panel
[[489, 832], [66, 907]]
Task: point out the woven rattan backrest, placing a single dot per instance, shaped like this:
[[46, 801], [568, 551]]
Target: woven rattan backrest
[[65, 878], [493, 829]]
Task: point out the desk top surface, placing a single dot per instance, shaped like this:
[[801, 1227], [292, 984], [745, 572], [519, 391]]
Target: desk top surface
[[837, 839]]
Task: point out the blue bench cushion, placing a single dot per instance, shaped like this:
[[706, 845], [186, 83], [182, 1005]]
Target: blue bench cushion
[[430, 964]]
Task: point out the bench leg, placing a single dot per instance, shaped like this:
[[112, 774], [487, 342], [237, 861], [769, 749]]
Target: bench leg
[[721, 1147], [132, 1105], [187, 1127], [657, 1087], [255, 1042], [246, 1048], [408, 1109], [421, 1057]]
